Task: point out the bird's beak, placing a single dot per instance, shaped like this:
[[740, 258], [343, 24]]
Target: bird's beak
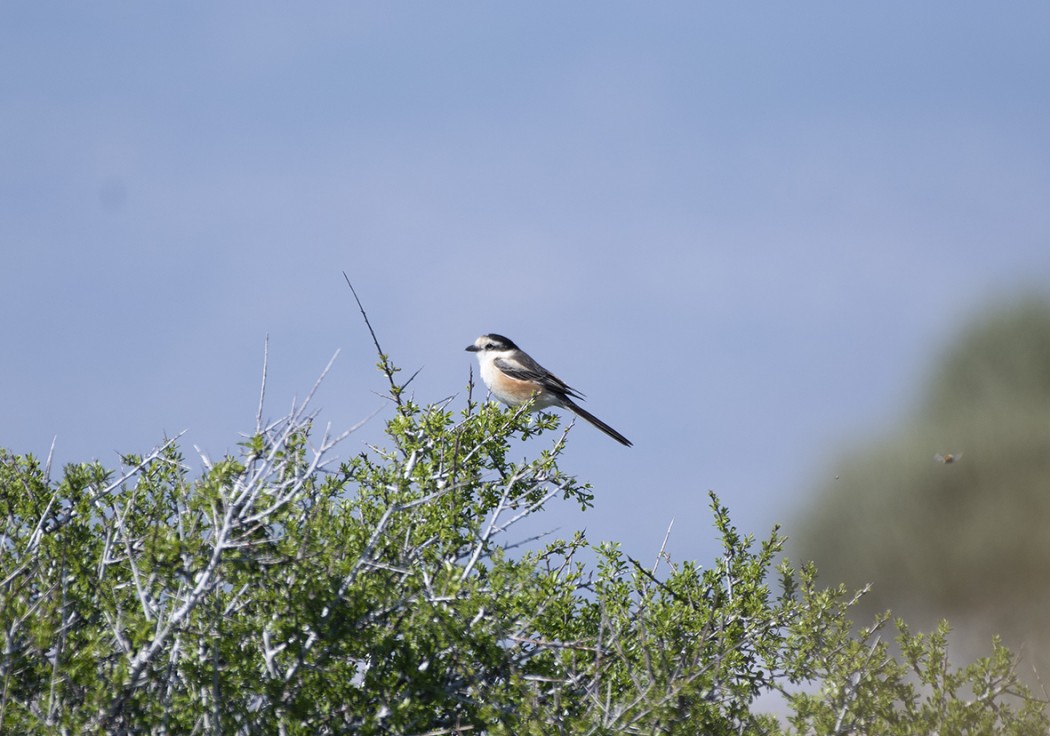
[[473, 348]]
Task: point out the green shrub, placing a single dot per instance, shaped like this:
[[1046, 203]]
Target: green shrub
[[284, 591]]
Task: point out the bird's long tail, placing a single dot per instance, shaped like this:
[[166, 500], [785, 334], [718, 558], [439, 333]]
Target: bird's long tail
[[584, 414]]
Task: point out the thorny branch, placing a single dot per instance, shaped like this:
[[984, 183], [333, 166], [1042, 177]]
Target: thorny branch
[[385, 364], [269, 483]]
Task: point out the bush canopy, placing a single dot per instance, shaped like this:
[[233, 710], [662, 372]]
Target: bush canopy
[[282, 590]]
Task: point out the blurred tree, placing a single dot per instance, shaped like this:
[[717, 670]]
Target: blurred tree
[[947, 514]]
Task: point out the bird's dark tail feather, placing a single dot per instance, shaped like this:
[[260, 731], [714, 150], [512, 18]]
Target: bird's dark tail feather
[[584, 414]]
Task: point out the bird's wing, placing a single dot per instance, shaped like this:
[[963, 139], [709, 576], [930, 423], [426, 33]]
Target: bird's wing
[[525, 368]]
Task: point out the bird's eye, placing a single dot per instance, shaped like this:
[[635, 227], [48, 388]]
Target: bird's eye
[[490, 346]]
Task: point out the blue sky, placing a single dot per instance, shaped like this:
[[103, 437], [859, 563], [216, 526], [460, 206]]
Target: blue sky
[[742, 230]]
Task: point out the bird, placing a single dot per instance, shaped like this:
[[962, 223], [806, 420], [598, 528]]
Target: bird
[[514, 378]]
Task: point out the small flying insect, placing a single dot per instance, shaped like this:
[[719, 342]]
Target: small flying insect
[[948, 458]]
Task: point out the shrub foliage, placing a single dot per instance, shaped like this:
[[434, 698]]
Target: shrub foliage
[[283, 590]]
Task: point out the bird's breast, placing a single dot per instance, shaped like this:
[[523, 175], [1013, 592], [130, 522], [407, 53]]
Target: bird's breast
[[513, 391]]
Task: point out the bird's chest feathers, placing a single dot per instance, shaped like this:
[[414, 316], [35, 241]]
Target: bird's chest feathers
[[489, 373]]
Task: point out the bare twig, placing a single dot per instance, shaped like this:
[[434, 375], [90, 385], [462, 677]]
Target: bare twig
[[446, 731], [262, 385], [384, 361], [155, 455], [663, 548], [50, 456]]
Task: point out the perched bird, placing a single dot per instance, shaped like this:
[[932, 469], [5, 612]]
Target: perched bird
[[513, 377]]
